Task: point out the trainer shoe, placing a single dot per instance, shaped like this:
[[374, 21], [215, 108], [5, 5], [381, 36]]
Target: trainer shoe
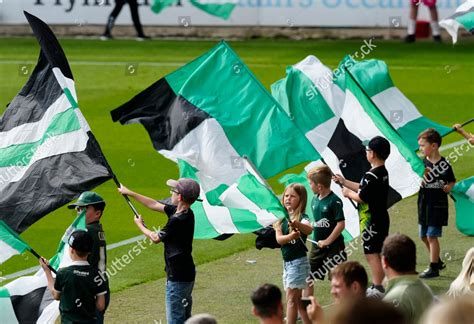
[[376, 292], [142, 38], [429, 273], [106, 37], [410, 38], [437, 39], [441, 265]]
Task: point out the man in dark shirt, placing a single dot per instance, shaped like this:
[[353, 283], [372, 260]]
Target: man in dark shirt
[[177, 236], [371, 194], [94, 206]]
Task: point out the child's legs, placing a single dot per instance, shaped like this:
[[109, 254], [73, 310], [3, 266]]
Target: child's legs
[[178, 301], [434, 249], [375, 264], [293, 296]]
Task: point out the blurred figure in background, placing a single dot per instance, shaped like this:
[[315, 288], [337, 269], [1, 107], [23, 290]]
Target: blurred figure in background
[[456, 311], [135, 17], [435, 31], [463, 285]]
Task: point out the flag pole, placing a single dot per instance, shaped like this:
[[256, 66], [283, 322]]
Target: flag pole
[[114, 177], [266, 184], [340, 185], [39, 257], [462, 125]]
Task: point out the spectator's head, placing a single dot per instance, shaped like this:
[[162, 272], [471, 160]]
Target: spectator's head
[[458, 310], [367, 310], [398, 255], [92, 203], [348, 280], [378, 148], [429, 141], [201, 319], [320, 178], [267, 305], [464, 283]]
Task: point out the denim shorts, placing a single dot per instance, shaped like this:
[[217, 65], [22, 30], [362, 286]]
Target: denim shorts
[[295, 273], [430, 231]]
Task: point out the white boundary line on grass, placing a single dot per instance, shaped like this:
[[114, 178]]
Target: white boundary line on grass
[[109, 247]]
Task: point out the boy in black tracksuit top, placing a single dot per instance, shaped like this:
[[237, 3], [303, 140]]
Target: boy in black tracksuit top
[[372, 194], [433, 198]]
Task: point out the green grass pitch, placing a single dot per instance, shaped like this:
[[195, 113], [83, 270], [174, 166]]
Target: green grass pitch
[[439, 79]]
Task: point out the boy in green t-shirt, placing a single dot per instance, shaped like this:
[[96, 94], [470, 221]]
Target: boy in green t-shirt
[[328, 225], [78, 287]]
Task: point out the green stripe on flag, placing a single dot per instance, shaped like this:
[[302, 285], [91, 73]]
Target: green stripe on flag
[[410, 131], [203, 228], [220, 84], [463, 192], [11, 238], [78, 224], [302, 100], [385, 127], [70, 98], [223, 10], [4, 292], [245, 221], [467, 20], [21, 154]]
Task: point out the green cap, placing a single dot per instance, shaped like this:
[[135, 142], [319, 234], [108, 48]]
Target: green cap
[[87, 198]]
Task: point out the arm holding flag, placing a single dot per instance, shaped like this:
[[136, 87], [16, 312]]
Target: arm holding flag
[[285, 239], [144, 200], [148, 233], [47, 271]]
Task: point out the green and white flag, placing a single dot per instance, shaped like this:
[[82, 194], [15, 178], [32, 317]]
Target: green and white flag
[[10, 243], [244, 207], [27, 299], [218, 8], [464, 16], [463, 192], [215, 115], [374, 77]]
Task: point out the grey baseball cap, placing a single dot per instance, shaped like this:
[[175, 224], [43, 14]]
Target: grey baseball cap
[[187, 188]]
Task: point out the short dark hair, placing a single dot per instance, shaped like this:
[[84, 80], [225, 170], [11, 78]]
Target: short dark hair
[[99, 206], [431, 135], [399, 252], [266, 300], [351, 271]]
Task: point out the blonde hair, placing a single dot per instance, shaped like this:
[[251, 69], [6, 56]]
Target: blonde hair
[[322, 175], [300, 190], [457, 310], [464, 283]]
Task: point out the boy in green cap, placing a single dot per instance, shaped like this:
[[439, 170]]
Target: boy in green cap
[[94, 206], [77, 287]]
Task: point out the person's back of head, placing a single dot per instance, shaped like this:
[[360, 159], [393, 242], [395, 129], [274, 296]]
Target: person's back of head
[[353, 274], [464, 282], [399, 253], [266, 301], [367, 310], [201, 319], [321, 175], [458, 311]]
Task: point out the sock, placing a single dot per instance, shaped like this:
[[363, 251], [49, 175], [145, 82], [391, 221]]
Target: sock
[[434, 28], [412, 27], [434, 266]]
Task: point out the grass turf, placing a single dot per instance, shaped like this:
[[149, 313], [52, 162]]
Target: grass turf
[[437, 78]]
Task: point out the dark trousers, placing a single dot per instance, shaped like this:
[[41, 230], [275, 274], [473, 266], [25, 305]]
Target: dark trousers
[[133, 10]]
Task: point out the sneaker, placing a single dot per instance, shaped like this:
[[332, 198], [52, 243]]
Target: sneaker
[[437, 39], [429, 273], [142, 38], [376, 292], [106, 37], [410, 38]]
